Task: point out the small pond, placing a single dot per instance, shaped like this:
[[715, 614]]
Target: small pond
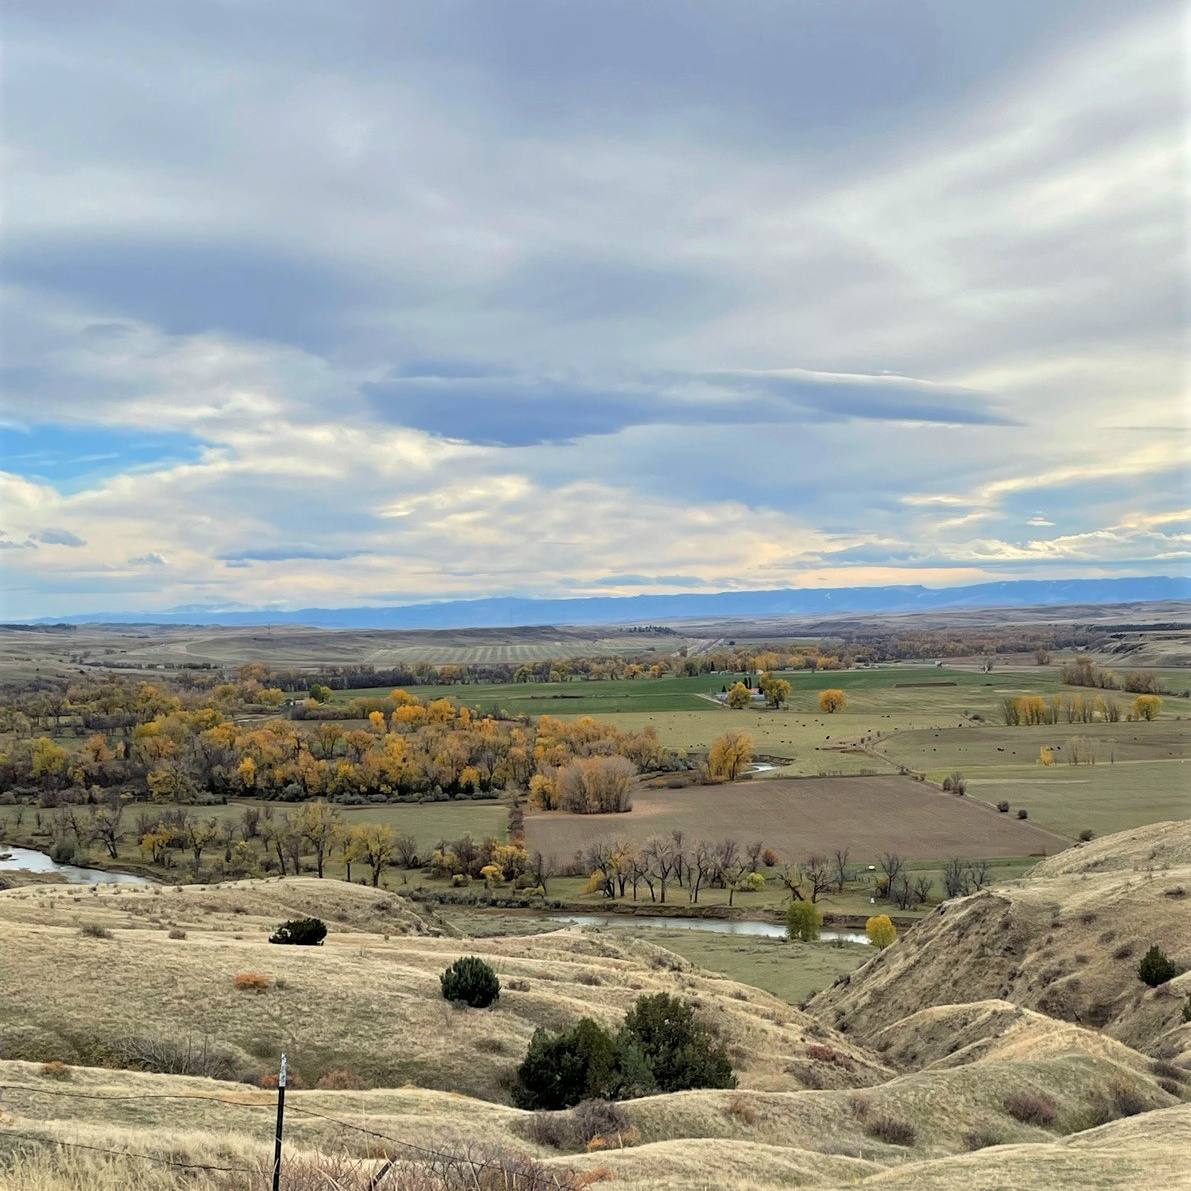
[[723, 926], [72, 874]]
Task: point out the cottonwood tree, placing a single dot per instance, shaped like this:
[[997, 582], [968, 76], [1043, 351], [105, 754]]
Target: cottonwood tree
[[198, 834], [319, 824], [832, 700], [377, 847], [729, 756]]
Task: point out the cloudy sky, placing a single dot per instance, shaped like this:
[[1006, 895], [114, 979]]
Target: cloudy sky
[[382, 301]]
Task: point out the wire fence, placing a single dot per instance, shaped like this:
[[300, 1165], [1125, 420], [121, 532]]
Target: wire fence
[[447, 1169]]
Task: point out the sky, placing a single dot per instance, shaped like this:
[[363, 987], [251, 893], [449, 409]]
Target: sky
[[311, 304]]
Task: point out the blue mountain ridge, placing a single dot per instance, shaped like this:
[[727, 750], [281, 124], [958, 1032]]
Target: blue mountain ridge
[[510, 611]]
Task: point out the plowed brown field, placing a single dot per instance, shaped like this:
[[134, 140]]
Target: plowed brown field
[[799, 817]]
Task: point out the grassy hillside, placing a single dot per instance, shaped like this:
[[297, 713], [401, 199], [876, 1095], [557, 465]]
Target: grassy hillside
[[968, 1054], [1064, 942]]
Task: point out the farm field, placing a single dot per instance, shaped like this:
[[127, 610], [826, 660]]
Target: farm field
[[1140, 776], [868, 815], [144, 649], [933, 692], [1099, 798]]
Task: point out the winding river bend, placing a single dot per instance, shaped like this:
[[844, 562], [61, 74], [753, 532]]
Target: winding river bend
[[12, 859], [767, 930]]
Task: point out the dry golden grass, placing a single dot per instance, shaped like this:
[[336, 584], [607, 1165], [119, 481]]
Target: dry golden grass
[[953, 1035], [1066, 944], [958, 1006], [360, 1002], [1158, 847]]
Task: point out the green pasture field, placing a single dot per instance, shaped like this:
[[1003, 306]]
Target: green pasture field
[[870, 692], [792, 971], [1141, 774], [1100, 798]]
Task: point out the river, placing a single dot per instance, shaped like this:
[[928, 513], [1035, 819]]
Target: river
[[723, 926], [72, 874]]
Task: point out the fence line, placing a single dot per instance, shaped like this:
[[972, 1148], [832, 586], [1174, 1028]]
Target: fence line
[[534, 1180]]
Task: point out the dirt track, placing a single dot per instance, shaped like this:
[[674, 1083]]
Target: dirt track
[[867, 815]]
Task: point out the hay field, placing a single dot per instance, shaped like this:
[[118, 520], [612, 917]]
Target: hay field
[[869, 816]]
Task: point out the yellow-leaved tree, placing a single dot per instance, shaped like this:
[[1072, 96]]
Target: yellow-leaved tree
[[832, 700], [739, 696], [1146, 707], [729, 756], [881, 931]]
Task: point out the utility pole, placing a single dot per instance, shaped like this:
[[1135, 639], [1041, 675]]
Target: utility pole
[[280, 1121]]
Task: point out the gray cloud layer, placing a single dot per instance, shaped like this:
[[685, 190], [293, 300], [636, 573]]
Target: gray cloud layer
[[475, 297]]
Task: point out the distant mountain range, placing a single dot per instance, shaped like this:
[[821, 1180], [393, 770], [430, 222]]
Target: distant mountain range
[[508, 612]]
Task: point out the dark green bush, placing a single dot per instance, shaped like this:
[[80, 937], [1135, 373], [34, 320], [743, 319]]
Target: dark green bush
[[1156, 967], [660, 1047], [300, 932], [470, 980], [679, 1051]]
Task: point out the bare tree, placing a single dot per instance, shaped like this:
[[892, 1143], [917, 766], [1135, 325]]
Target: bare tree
[[597, 860], [901, 892], [818, 876], [978, 874], [703, 863], [405, 850], [922, 889], [956, 882], [678, 852], [842, 874], [792, 877], [891, 865], [753, 852], [105, 825], [542, 868]]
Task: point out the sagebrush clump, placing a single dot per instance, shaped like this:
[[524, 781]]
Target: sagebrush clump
[[1031, 1108], [471, 981]]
